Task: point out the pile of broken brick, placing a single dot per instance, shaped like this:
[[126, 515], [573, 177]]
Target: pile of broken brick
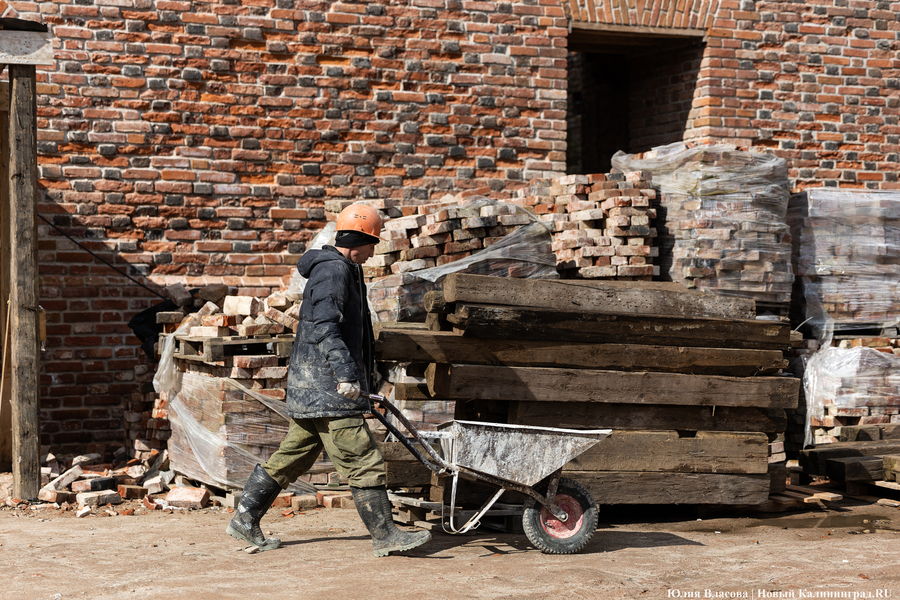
[[221, 315], [86, 485]]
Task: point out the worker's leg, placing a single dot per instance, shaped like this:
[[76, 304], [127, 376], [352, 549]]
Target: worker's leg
[[294, 457], [355, 454], [353, 450], [298, 451]]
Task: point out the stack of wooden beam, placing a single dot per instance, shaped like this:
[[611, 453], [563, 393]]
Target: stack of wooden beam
[[686, 380], [866, 459], [601, 223], [848, 255]]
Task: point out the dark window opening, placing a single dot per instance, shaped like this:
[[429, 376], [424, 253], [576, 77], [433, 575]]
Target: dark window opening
[[627, 92]]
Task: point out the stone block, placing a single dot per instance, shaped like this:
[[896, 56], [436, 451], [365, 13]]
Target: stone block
[[101, 498], [188, 497]]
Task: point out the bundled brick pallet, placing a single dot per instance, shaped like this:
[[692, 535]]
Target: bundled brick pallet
[[227, 412], [724, 228], [601, 223], [847, 252], [852, 386], [682, 377]]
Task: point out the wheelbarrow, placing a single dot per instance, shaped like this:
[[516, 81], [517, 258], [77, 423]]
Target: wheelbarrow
[[560, 514]]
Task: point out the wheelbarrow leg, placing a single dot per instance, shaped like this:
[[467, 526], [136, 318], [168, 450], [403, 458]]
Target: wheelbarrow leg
[[475, 521]]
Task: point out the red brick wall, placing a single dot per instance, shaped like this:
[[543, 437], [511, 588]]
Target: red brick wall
[[815, 82], [197, 142]]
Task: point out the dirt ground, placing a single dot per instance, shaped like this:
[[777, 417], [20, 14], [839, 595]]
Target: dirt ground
[[852, 550]]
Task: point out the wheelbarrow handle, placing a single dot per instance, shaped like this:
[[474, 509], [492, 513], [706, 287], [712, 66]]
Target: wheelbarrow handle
[[441, 467]]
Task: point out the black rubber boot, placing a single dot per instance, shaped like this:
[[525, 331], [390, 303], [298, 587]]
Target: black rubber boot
[[259, 494], [374, 509]]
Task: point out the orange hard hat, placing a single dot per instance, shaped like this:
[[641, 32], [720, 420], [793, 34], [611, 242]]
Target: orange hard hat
[[362, 218]]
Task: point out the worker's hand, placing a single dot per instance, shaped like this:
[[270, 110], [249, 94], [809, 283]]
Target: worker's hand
[[350, 389]]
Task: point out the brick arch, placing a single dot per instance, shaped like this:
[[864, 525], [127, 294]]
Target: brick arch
[[698, 14]]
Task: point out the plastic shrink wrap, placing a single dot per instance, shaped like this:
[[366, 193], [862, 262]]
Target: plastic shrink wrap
[[471, 235], [847, 254], [850, 386], [722, 223], [222, 428], [523, 251]]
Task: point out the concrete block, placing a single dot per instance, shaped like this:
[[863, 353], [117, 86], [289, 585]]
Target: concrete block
[[57, 496], [131, 491], [215, 292], [304, 502], [64, 480], [180, 295], [188, 497], [98, 498], [241, 305], [169, 317], [155, 485]]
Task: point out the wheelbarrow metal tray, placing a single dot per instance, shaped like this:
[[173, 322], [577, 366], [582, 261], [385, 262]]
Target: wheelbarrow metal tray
[[517, 453]]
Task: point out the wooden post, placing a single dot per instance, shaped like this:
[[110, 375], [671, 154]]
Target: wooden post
[[5, 257], [24, 281]]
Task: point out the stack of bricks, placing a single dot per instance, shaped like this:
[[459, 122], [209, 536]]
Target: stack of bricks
[[234, 414], [855, 384], [600, 223], [146, 423], [437, 234], [725, 213], [848, 256]]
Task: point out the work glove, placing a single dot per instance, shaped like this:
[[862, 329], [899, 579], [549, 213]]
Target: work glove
[[349, 389]]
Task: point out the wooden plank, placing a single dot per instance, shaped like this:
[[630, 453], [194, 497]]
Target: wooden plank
[[815, 492], [625, 297], [667, 452], [590, 385], [778, 475], [5, 260], [406, 474], [402, 468], [890, 485], [870, 433], [23, 195], [485, 321], [445, 347], [593, 415], [854, 468], [673, 488], [813, 461]]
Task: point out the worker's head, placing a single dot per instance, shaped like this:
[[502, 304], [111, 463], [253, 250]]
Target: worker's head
[[358, 230]]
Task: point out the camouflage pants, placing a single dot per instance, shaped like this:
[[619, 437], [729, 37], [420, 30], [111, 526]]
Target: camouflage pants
[[349, 445]]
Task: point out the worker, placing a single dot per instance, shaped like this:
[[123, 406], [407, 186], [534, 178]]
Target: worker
[[332, 364]]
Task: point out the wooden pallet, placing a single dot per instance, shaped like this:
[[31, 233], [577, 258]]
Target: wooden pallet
[[795, 497], [428, 515], [212, 349]]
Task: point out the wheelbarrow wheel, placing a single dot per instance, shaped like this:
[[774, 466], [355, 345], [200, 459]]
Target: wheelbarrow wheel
[[552, 536]]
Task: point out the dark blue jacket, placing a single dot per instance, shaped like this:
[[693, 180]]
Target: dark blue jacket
[[334, 340]]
